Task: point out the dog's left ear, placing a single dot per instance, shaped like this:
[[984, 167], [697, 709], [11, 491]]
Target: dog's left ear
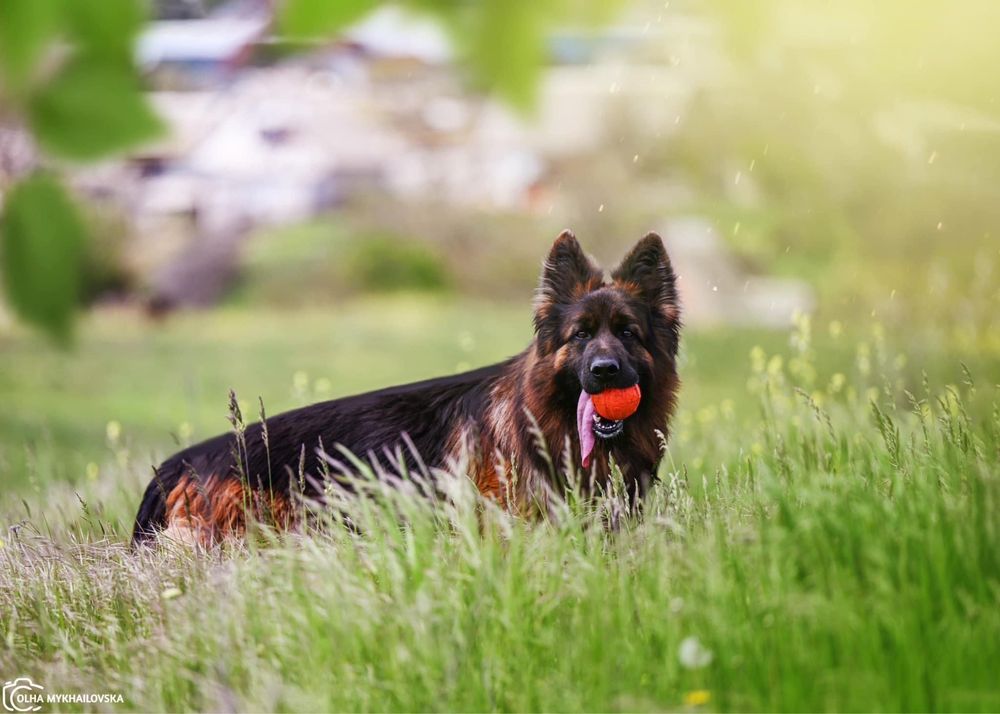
[[646, 272]]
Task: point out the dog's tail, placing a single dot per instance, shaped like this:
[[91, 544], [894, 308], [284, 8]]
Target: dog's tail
[[152, 515]]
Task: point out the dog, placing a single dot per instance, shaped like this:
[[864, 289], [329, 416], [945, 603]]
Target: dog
[[590, 334]]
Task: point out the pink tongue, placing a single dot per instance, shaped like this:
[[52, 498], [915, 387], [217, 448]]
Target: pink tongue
[[585, 427]]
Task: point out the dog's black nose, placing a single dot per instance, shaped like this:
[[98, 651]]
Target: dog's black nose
[[604, 367]]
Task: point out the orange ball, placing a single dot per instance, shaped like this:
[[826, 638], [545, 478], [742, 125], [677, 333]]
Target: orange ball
[[617, 404]]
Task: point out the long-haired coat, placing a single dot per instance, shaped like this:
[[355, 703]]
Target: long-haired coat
[[591, 334]]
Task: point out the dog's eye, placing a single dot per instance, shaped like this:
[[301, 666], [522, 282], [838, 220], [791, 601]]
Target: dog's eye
[[628, 334], [583, 335]]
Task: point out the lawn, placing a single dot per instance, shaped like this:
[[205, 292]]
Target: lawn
[[160, 385], [820, 540]]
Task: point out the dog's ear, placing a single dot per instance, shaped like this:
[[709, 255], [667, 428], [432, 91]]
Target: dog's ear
[[646, 272], [567, 275]]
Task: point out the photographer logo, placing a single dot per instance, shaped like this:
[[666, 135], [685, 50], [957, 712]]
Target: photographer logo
[[23, 695]]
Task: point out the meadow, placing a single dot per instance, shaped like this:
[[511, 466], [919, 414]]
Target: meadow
[[825, 536]]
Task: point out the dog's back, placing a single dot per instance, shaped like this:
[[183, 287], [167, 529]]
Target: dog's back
[[213, 486]]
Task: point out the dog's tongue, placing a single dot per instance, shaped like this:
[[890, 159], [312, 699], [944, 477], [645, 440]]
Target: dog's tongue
[[584, 426]]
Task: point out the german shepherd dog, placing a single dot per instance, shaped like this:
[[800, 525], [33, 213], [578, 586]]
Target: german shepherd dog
[[591, 334]]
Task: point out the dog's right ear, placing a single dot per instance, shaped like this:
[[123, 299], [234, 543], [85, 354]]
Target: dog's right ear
[[567, 275]]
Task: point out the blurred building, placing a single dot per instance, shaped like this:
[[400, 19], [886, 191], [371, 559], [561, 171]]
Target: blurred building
[[203, 53], [257, 137]]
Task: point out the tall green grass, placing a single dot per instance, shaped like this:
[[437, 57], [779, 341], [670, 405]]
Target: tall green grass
[[841, 552]]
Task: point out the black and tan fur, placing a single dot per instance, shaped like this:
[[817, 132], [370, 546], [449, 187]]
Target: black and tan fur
[[486, 418]]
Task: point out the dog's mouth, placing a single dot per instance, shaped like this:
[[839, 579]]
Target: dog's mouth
[[590, 424], [607, 428]]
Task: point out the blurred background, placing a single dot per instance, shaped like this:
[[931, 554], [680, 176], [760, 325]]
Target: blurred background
[[308, 215]]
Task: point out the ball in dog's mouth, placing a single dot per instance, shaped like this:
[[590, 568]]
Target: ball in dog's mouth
[[590, 424]]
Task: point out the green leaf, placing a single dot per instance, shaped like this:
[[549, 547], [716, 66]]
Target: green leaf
[[320, 18], [41, 254], [106, 28], [90, 109], [504, 44], [25, 28]]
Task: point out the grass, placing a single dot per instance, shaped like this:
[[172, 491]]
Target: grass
[[826, 536], [167, 384]]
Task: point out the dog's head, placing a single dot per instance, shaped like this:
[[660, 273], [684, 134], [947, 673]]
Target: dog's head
[[597, 334]]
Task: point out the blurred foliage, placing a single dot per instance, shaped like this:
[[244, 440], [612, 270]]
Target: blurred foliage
[[42, 249], [503, 41], [938, 51], [384, 262], [66, 67], [857, 145], [316, 19], [91, 109], [25, 28]]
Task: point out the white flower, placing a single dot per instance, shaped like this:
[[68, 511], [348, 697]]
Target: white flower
[[693, 654]]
